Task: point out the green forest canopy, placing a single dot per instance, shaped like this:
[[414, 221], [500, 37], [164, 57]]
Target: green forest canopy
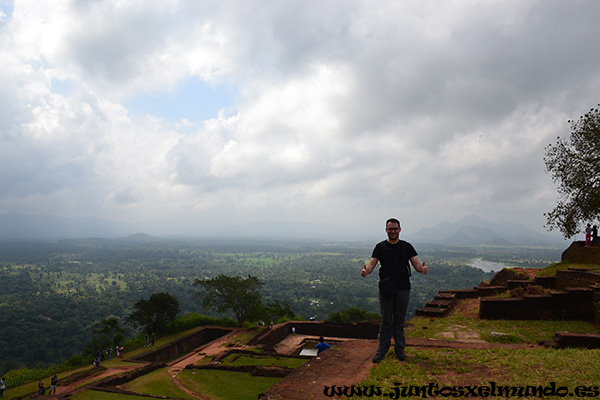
[[52, 293]]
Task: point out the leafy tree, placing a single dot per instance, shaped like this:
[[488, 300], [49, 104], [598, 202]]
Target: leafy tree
[[153, 314], [277, 310], [575, 166], [232, 293], [353, 314], [107, 333]]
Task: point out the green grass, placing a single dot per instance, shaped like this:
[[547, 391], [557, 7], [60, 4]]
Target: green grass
[[159, 383], [95, 395], [22, 390], [528, 331], [225, 385], [243, 337], [31, 387], [160, 341], [452, 367], [551, 269], [506, 367]]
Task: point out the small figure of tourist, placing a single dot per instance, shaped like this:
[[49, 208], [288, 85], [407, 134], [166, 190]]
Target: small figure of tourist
[[588, 235], [41, 387], [322, 345], [53, 384]]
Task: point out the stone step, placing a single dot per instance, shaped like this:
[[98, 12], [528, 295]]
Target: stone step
[[440, 303], [582, 340], [445, 295], [432, 311]]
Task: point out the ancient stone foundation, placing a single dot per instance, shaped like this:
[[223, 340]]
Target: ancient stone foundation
[[568, 304], [183, 345]]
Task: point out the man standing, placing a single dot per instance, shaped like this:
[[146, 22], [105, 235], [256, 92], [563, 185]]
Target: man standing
[[393, 256], [53, 384]]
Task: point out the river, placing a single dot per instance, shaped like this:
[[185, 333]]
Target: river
[[488, 266]]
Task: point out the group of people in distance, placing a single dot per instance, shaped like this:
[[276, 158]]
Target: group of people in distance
[[53, 385], [148, 339], [100, 354], [591, 233]]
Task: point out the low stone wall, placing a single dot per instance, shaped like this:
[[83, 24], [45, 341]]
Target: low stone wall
[[361, 330], [113, 381], [547, 282], [269, 338], [254, 370], [121, 392], [563, 340], [184, 344], [576, 277], [480, 291], [568, 304]]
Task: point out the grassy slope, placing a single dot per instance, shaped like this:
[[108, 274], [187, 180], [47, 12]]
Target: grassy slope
[[458, 367]]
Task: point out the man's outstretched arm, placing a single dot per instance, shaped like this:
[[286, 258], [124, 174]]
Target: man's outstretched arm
[[369, 267], [418, 265]]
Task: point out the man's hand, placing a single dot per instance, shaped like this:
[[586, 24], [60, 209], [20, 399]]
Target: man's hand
[[418, 265], [369, 267]]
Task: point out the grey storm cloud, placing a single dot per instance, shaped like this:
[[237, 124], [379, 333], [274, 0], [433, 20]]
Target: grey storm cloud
[[342, 112]]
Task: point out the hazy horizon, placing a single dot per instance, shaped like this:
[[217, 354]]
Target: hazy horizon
[[14, 226]]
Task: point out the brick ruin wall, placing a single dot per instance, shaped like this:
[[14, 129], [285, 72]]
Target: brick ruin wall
[[184, 344], [574, 294], [269, 338], [568, 304]]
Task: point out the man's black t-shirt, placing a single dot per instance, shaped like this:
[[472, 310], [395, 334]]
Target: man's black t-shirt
[[395, 256]]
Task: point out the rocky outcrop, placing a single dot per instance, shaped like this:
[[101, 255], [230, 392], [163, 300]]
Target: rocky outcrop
[[578, 253]]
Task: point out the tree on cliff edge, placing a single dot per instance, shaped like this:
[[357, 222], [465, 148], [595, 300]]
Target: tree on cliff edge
[[153, 314], [575, 166], [232, 293]]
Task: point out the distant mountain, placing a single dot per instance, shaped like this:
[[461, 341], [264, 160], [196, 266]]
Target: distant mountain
[[471, 230], [474, 230], [17, 226], [143, 238]]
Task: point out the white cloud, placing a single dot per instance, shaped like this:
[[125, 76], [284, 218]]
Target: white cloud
[[344, 112]]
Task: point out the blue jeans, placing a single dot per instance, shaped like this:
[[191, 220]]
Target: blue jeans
[[393, 313]]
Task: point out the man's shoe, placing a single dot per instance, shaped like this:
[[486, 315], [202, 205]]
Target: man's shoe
[[377, 358], [401, 356]]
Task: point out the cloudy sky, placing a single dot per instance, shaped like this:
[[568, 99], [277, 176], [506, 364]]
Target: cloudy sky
[[314, 116]]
